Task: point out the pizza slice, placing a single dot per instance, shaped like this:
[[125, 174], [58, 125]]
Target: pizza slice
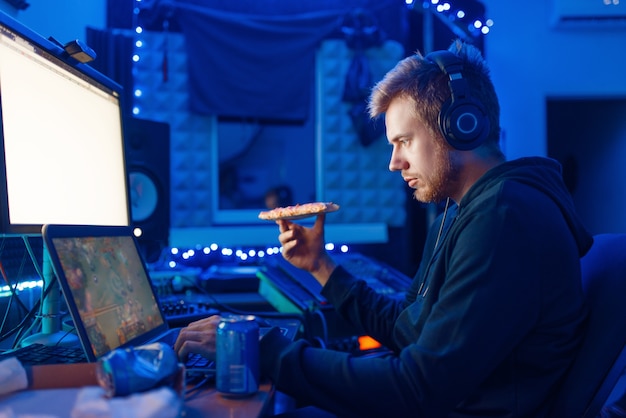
[[298, 211]]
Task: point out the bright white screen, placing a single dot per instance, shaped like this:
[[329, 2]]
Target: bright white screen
[[62, 141]]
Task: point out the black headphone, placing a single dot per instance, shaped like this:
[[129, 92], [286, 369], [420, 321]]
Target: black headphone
[[462, 120]]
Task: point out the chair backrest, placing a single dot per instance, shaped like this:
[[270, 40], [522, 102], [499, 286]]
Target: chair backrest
[[602, 357]]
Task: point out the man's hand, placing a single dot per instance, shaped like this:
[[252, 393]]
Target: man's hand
[[198, 337], [304, 248]]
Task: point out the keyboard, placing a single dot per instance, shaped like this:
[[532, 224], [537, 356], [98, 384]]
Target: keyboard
[[198, 363], [303, 290], [40, 354], [381, 277], [46, 354]]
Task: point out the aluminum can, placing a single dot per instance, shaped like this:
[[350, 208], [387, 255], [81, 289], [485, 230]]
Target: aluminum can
[[237, 355], [136, 369]]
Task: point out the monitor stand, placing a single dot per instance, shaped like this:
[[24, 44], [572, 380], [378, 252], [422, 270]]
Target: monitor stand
[[51, 332]]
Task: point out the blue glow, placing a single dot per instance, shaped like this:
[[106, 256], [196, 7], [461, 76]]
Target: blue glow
[[136, 58], [453, 14], [273, 250], [138, 29], [136, 110], [5, 291], [139, 43], [138, 92]]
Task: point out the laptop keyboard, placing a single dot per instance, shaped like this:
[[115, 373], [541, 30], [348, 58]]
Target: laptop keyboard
[[197, 362], [38, 354], [46, 354]]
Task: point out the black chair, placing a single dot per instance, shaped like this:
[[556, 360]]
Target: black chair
[[602, 358]]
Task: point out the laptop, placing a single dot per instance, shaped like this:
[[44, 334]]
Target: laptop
[[107, 288]]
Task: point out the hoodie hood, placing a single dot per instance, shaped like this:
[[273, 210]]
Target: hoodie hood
[[543, 174]]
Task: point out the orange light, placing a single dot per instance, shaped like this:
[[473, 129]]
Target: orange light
[[368, 343]]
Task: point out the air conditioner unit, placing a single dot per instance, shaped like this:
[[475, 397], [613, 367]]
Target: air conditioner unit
[[602, 14]]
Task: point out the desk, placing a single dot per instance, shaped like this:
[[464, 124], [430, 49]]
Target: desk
[[209, 403], [205, 402]]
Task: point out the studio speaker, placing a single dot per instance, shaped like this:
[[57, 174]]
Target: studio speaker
[[148, 164]]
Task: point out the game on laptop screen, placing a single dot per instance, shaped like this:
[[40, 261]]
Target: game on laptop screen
[[109, 286]]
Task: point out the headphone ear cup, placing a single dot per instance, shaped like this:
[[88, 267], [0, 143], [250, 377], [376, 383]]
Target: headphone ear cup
[[463, 123]]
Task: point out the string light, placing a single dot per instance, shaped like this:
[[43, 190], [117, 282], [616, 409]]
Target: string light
[[204, 257], [139, 43], [5, 290], [478, 25], [471, 24]]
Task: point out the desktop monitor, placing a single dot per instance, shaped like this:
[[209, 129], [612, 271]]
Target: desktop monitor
[[61, 138]]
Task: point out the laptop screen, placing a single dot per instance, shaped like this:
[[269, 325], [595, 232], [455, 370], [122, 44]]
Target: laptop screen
[[106, 285]]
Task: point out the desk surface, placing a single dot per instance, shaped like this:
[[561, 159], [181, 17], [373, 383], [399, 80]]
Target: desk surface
[[210, 403], [205, 402]]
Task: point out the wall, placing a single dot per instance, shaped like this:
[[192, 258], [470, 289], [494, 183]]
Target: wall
[[8, 8], [64, 20], [529, 58], [532, 61]]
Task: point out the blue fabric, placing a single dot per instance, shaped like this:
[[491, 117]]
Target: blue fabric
[[257, 64]]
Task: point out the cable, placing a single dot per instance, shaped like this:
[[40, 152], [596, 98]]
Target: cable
[[30, 313], [22, 322], [6, 314], [8, 282], [12, 288], [68, 332], [319, 314], [33, 258]]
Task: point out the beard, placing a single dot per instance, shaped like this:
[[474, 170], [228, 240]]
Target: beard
[[438, 184]]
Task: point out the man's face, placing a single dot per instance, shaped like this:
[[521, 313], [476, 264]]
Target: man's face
[[422, 159]]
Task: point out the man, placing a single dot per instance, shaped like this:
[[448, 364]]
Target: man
[[495, 313]]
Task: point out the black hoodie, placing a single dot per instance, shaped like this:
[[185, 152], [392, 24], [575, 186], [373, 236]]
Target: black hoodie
[[489, 326]]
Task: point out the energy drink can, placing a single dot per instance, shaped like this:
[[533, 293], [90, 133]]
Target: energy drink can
[[237, 355], [124, 371]]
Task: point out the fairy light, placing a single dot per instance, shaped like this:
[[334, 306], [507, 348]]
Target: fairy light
[[139, 43], [5, 290], [205, 256], [473, 25]]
